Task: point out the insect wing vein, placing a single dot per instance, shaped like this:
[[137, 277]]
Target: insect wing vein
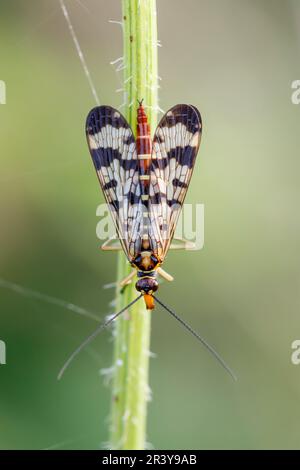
[[175, 146], [113, 151]]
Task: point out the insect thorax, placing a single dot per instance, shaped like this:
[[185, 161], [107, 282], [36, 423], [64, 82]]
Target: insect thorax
[[146, 262]]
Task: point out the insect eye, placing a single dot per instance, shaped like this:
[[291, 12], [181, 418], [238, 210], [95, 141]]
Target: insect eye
[[154, 259], [138, 259]]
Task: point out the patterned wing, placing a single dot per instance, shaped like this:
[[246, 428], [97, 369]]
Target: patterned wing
[[113, 150], [175, 146]]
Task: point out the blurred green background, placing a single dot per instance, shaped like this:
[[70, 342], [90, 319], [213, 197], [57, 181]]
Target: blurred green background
[[235, 60]]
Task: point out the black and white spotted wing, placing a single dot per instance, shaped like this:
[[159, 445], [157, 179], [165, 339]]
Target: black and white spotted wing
[[113, 150], [175, 146]]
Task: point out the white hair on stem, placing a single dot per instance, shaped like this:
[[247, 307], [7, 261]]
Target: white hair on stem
[[120, 23], [128, 79], [113, 62]]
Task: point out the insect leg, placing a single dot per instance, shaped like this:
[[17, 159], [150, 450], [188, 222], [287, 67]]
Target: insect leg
[[127, 279], [165, 275], [112, 244], [182, 245]]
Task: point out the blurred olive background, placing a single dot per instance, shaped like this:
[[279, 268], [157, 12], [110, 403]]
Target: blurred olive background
[[235, 60]]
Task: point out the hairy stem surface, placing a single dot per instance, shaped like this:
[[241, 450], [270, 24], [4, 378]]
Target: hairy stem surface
[[132, 331]]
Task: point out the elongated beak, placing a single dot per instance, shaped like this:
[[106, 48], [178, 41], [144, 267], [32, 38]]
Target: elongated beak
[[149, 301]]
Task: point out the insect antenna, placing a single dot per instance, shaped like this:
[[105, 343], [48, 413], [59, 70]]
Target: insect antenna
[[198, 337], [98, 330]]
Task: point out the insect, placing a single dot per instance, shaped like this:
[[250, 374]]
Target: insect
[[145, 182]]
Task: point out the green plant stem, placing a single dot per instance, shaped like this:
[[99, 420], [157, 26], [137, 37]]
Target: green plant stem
[[132, 332]]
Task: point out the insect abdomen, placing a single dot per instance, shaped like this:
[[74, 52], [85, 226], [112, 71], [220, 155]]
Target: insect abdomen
[[144, 149]]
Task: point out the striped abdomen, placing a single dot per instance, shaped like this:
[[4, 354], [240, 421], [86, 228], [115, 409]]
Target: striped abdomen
[[144, 149]]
